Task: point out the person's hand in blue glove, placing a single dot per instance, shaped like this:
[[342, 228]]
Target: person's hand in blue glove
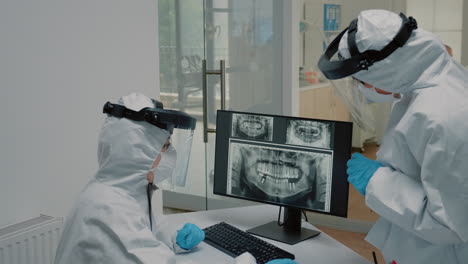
[[189, 236], [360, 170], [282, 261]]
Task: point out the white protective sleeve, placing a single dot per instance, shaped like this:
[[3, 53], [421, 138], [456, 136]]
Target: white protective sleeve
[[245, 258], [402, 201], [167, 233], [435, 208]]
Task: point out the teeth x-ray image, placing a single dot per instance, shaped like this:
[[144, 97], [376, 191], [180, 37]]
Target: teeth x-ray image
[[273, 174], [309, 133], [252, 127]]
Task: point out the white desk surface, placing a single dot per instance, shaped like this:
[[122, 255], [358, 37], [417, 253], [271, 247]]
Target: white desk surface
[[321, 249]]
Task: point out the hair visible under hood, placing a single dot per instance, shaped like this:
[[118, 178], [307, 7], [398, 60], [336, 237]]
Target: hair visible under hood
[[418, 64]]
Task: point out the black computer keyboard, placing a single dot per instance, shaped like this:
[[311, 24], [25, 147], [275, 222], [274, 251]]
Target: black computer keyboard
[[234, 242]]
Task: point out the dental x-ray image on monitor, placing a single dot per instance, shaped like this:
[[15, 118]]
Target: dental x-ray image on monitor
[[309, 133], [276, 174], [252, 127], [291, 162]]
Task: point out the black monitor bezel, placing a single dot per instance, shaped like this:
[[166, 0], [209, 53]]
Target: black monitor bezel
[[218, 152]]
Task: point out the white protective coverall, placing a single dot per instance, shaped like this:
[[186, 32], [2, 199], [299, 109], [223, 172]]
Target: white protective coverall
[[109, 222], [421, 193]]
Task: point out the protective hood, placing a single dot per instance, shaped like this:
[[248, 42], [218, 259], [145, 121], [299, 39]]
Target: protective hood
[[128, 149], [109, 222], [418, 64]]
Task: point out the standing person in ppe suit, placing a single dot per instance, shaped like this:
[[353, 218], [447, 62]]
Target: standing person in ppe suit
[[419, 183], [112, 220]]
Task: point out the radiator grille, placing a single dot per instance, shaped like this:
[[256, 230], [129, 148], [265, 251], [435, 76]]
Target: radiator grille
[[30, 242]]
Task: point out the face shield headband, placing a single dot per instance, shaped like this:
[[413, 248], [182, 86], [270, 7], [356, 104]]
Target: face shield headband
[[162, 118], [179, 124], [361, 61]]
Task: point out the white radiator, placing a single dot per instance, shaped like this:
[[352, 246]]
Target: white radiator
[[30, 242]]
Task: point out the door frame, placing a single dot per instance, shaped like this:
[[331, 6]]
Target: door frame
[[290, 57]]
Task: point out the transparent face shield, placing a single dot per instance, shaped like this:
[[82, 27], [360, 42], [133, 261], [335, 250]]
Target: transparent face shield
[[339, 69], [175, 152], [173, 163], [355, 102], [181, 143]]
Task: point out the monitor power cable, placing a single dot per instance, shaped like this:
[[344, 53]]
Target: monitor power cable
[[279, 216], [286, 220], [305, 215]]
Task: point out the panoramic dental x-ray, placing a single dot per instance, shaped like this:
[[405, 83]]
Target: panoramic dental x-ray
[[282, 175]]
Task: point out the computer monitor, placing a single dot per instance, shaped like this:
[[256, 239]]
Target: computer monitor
[[296, 163]]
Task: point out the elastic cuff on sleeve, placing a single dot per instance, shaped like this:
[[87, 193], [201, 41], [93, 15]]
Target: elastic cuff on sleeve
[[175, 247], [374, 179]]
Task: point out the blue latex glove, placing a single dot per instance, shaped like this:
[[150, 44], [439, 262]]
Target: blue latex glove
[[189, 236], [282, 261], [360, 170]]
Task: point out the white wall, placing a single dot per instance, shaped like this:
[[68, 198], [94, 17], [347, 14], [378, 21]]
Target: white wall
[[60, 61], [443, 17]]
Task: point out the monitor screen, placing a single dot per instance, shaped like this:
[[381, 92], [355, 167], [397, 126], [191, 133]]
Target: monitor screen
[[286, 161]]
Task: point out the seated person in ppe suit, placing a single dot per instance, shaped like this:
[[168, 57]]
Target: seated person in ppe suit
[[112, 221], [419, 183]]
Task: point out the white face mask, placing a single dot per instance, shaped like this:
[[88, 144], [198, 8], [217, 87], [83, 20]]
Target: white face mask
[[166, 165], [374, 97]]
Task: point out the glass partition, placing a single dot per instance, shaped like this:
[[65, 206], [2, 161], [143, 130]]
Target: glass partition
[[247, 36]]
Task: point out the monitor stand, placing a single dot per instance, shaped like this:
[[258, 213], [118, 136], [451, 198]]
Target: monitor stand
[[290, 233]]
